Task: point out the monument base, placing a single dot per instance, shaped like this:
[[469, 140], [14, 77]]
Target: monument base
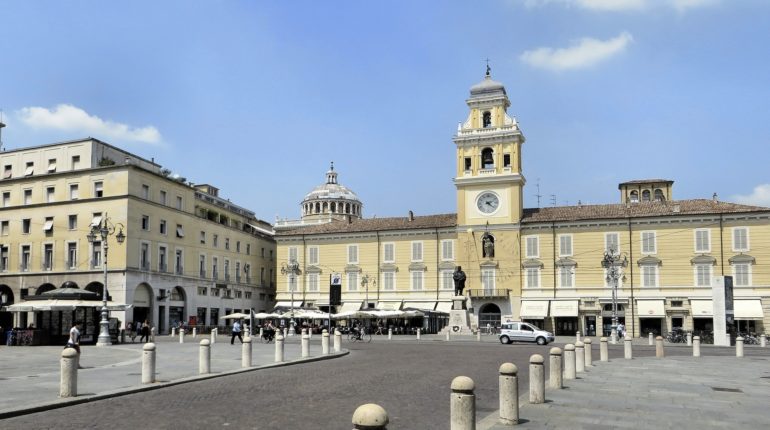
[[459, 322]]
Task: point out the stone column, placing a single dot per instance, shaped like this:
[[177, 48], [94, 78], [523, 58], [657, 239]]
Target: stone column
[[577, 337], [148, 363], [204, 357], [650, 339], [279, 348], [305, 346], [739, 347], [536, 379], [509, 394], [570, 369], [246, 352], [696, 346], [689, 339], [325, 342], [659, 351], [628, 352], [462, 405], [370, 417], [390, 333], [604, 352], [555, 369], [181, 335], [337, 341], [580, 357], [589, 352], [763, 340], [68, 384]]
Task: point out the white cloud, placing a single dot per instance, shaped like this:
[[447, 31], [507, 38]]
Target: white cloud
[[583, 53], [623, 5], [70, 118], [759, 197]]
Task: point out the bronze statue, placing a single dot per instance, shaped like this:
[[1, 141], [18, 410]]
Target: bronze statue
[[459, 278], [488, 245]]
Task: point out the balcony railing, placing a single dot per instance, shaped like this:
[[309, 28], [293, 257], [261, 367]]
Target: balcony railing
[[494, 292]]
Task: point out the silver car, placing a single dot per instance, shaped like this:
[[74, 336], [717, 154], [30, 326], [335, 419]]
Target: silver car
[[523, 332]]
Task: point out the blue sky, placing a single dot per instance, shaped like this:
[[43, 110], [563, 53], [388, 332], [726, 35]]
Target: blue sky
[[258, 97]]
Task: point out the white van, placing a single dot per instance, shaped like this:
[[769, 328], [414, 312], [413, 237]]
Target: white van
[[523, 332]]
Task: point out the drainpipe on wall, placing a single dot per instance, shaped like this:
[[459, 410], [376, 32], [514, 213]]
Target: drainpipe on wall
[[378, 266], [438, 277], [631, 264], [721, 245]]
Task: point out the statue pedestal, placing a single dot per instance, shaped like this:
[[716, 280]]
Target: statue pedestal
[[458, 303], [459, 322]]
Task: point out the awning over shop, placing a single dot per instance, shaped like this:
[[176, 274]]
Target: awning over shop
[[62, 305], [444, 307], [564, 308], [748, 309], [423, 306], [534, 309], [702, 308], [389, 305], [349, 306], [651, 308]]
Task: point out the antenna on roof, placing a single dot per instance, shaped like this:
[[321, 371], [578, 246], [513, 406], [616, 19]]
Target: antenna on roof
[[553, 199], [538, 195], [2, 125]]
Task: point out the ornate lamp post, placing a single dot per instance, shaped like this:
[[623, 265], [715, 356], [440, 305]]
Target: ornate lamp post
[[365, 284], [105, 229], [292, 270], [614, 262]]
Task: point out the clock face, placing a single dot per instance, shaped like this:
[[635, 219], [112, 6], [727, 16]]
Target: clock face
[[487, 202]]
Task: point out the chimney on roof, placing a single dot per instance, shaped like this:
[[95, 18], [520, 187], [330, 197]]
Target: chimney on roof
[[411, 216], [580, 204], [714, 197], [676, 208]]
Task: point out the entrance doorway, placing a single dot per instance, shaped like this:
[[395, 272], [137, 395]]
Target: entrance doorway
[[607, 325], [651, 325], [489, 314], [566, 326], [590, 327]]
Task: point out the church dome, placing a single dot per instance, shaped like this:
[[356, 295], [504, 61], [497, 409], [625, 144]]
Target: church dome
[[331, 199], [487, 87]]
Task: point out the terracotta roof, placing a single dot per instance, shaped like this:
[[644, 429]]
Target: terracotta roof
[[647, 181], [375, 224], [635, 210]]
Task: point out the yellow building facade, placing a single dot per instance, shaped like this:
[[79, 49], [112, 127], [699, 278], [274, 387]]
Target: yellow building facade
[[189, 256], [543, 265]]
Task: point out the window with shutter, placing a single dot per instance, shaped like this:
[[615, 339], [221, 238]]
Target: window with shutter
[[565, 245], [740, 239], [612, 241], [533, 250], [352, 254], [702, 241], [447, 250], [648, 242], [389, 253], [416, 251]]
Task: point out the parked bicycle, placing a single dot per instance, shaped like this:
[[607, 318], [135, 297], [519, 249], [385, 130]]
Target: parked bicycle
[[749, 338], [677, 336], [359, 335]]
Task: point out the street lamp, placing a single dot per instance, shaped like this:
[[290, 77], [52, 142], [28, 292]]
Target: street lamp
[[614, 262], [365, 284], [292, 270], [105, 229]]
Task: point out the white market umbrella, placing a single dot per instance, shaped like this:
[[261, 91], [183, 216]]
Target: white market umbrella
[[311, 315], [386, 314], [235, 316], [352, 314], [263, 315]]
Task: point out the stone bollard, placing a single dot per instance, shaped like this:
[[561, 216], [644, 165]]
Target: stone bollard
[[696, 346], [337, 341], [447, 335], [739, 347], [462, 404], [204, 357], [246, 353], [569, 361], [628, 353], [589, 352], [173, 331], [659, 351], [478, 335], [370, 417], [152, 335], [310, 334], [651, 339], [213, 335], [305, 346], [261, 332], [279, 348], [390, 333], [509, 394], [148, 363], [195, 332], [181, 335], [418, 334], [555, 367], [577, 337], [68, 385], [763, 341], [536, 379], [604, 352], [689, 339], [285, 332], [580, 357], [325, 342]]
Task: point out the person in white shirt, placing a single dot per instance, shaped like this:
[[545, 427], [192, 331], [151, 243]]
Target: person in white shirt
[[236, 332], [74, 340]]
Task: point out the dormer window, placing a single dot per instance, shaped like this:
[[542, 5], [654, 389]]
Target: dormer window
[[634, 197], [487, 159], [659, 195], [646, 195], [487, 119]]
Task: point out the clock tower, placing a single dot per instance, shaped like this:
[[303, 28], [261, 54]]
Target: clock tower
[[489, 200]]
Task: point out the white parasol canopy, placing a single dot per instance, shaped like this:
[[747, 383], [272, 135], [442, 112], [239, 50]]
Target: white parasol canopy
[[235, 316], [352, 314], [263, 315], [311, 315]]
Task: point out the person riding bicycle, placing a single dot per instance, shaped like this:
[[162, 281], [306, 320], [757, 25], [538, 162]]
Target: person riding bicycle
[[358, 331]]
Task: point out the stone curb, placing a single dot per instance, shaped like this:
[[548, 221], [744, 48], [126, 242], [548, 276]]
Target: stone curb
[[86, 398]]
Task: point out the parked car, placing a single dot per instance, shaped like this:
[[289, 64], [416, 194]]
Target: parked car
[[523, 332]]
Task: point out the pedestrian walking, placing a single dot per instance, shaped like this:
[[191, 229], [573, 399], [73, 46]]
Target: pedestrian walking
[[236, 332], [74, 339], [145, 332]]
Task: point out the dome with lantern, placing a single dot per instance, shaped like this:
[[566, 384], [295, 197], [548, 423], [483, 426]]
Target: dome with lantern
[[331, 200]]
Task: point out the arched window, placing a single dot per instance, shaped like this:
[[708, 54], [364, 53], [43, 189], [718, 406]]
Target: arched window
[[487, 158], [659, 197], [487, 119], [318, 208], [634, 197], [646, 195], [333, 207], [326, 207], [347, 208]]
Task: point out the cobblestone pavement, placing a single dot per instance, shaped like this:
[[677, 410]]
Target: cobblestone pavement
[[410, 380]]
